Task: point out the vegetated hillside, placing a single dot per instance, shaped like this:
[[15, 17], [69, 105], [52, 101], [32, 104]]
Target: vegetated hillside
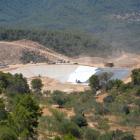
[[69, 43], [64, 14], [36, 114], [116, 21]]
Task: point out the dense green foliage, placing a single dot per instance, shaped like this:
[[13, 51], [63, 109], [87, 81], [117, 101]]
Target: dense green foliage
[[79, 120], [60, 98], [114, 20], [63, 14], [69, 137], [3, 113], [71, 43], [19, 84], [135, 76], [106, 136], [94, 82], [91, 134], [19, 114], [57, 137], [109, 99], [7, 134], [36, 84], [130, 137]]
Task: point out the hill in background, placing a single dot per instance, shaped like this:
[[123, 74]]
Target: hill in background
[[116, 21], [69, 43]]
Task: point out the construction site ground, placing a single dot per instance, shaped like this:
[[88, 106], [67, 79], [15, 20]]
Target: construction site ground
[[125, 60]]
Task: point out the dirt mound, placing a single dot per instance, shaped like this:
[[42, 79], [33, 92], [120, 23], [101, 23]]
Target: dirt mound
[[34, 45]]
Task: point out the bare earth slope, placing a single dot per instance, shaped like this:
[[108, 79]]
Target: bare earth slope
[[12, 51]]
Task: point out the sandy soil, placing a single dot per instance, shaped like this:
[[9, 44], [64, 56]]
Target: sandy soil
[[100, 98], [66, 87], [112, 119], [16, 48]]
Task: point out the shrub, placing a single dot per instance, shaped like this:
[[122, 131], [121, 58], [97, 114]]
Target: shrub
[[94, 82], [129, 137], [137, 102], [79, 120], [135, 76], [47, 92], [36, 84], [138, 91], [117, 134], [118, 83], [57, 137], [69, 137], [124, 87], [82, 108], [7, 134], [91, 134], [126, 109], [66, 127], [57, 115], [63, 128], [68, 105], [28, 56], [19, 85], [60, 100], [105, 76], [109, 85], [100, 109], [37, 96], [109, 99], [106, 136], [103, 125], [75, 130], [57, 92], [3, 113]]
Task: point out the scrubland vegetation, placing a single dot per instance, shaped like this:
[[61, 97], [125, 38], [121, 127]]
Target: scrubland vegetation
[[21, 115], [34, 56]]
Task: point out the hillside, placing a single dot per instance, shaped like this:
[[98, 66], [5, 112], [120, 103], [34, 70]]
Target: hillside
[[65, 14], [24, 50], [69, 43], [116, 21]]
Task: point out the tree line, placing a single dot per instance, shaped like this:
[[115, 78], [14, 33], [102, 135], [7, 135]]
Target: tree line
[[70, 43], [19, 112]]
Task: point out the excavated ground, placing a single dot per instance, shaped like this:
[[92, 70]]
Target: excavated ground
[[64, 74], [63, 77]]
